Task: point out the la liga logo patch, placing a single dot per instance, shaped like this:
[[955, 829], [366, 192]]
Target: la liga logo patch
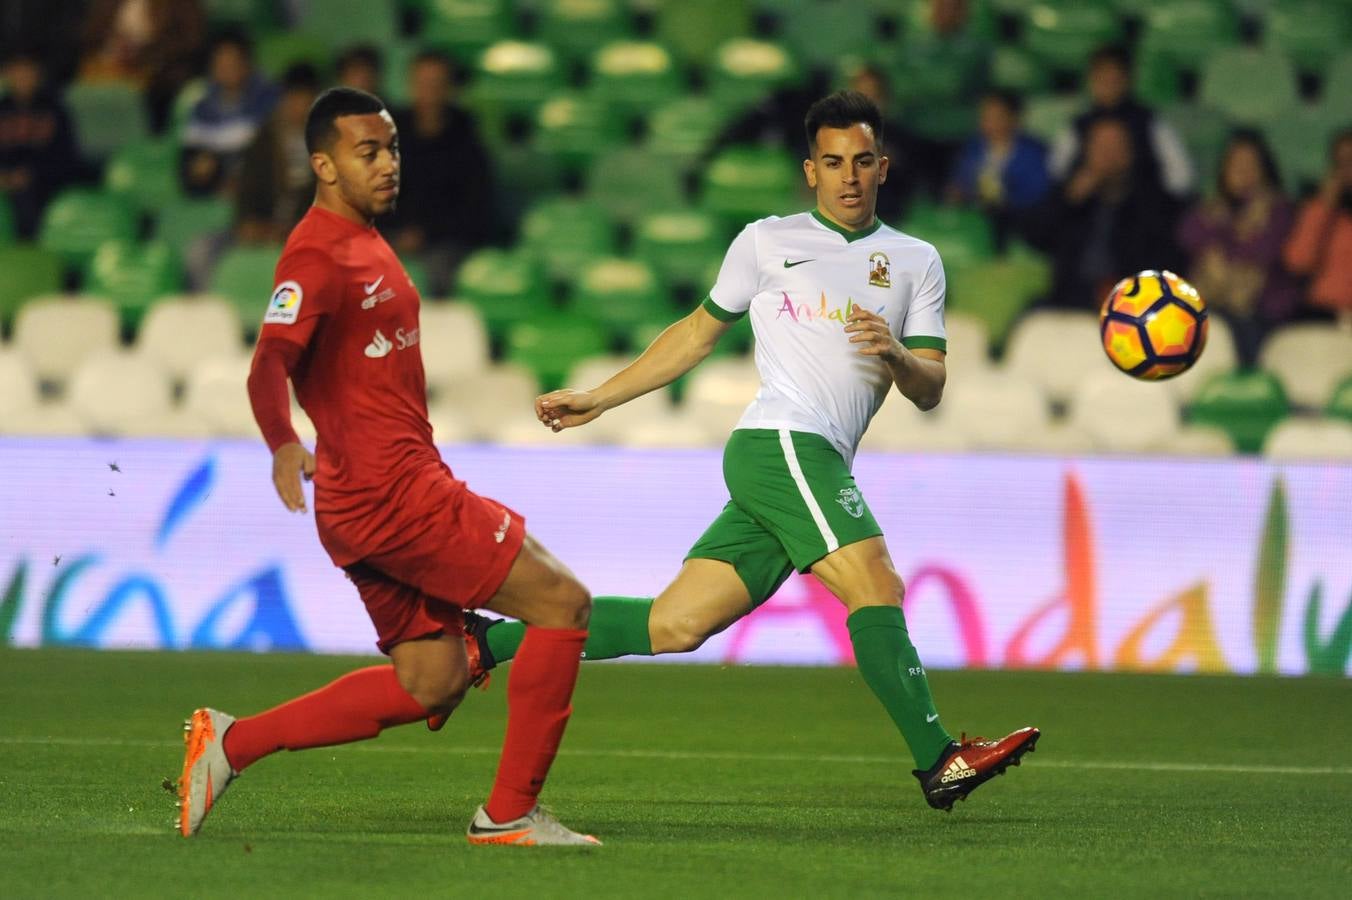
[[284, 306]]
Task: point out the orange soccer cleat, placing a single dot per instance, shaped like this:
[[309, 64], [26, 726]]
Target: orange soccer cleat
[[206, 771]]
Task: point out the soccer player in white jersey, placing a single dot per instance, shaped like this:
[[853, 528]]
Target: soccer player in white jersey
[[844, 309]]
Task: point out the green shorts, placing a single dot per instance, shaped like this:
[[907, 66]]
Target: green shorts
[[793, 501]]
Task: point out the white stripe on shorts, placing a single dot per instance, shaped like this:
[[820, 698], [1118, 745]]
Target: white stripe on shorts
[[829, 536]]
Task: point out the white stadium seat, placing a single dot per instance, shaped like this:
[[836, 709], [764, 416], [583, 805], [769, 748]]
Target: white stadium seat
[[676, 430], [997, 410], [1218, 357], [18, 385], [57, 333], [900, 426], [1197, 440], [969, 344], [1055, 350], [180, 332], [612, 426], [1123, 414], [454, 342], [720, 391], [524, 430], [1310, 359], [1300, 438], [45, 420], [217, 393], [110, 389], [482, 401]]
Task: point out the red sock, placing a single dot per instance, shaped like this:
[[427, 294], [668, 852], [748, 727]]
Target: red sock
[[353, 708], [539, 701]]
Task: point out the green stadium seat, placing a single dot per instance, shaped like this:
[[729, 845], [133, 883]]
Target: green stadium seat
[[399, 55], [628, 183], [682, 131], [1249, 85], [745, 71], [1245, 405], [106, 116], [578, 28], [341, 23], [514, 77], [1310, 33], [961, 235], [30, 271], [1204, 132], [183, 220], [244, 276], [695, 29], [999, 290], [742, 184], [680, 244], [551, 344], [258, 15], [619, 294], [1186, 32], [504, 286], [277, 51], [565, 234], [1299, 138], [1045, 116], [145, 173], [1015, 69], [464, 28], [633, 77], [133, 276], [79, 220], [1064, 35], [574, 128], [1337, 92], [1340, 402], [818, 35], [523, 173], [7, 229]]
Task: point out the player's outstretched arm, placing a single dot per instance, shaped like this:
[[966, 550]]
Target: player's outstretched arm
[[918, 374], [273, 361], [677, 350]]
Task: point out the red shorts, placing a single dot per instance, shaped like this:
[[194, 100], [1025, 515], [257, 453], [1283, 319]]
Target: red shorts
[[460, 548]]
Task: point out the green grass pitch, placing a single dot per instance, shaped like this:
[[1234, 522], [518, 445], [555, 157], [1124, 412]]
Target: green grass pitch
[[702, 781]]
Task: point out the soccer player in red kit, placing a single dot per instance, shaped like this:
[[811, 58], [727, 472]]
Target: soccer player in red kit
[[420, 547]]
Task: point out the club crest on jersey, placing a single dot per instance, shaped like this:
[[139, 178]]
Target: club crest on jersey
[[851, 501], [284, 306], [879, 270]]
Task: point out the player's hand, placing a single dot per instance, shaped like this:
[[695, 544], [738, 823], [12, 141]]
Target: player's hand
[[289, 463], [871, 333], [558, 410]]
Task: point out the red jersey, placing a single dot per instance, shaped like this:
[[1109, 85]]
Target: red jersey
[[343, 296]]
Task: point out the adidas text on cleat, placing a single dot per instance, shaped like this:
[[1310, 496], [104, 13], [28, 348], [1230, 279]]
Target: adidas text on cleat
[[206, 772], [965, 766], [536, 828]]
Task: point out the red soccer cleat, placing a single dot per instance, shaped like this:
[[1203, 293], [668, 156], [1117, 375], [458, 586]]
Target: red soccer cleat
[[965, 766]]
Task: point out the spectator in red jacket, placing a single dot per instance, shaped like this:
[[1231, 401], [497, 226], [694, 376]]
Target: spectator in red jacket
[[1321, 244]]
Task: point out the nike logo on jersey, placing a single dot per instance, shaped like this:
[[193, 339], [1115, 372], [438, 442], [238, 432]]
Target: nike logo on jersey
[[379, 346], [790, 265], [371, 288]]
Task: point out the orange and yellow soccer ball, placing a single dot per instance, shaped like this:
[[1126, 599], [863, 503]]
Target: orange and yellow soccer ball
[[1153, 325]]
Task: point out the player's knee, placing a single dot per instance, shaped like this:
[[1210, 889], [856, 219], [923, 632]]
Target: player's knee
[[676, 635], [440, 696], [574, 604]]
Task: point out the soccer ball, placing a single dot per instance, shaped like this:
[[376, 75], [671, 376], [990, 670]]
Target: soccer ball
[[1153, 325]]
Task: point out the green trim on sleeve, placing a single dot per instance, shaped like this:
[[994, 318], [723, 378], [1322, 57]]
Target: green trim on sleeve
[[719, 312], [922, 342]]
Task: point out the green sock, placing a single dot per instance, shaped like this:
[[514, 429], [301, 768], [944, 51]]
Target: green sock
[[891, 667], [619, 627]]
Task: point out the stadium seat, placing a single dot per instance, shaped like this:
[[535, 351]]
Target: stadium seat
[[478, 402], [1337, 93], [1184, 33], [565, 234], [995, 410], [244, 276], [968, 343], [999, 290], [1310, 33], [902, 428], [338, 24], [254, 14], [277, 51], [454, 342], [574, 128], [1064, 35], [742, 184], [961, 235], [133, 276], [1197, 440], [1122, 414], [818, 35], [20, 386], [612, 427], [695, 29], [110, 390], [182, 221], [1245, 405], [678, 430], [448, 427], [633, 77], [178, 333], [1299, 138], [1249, 85], [218, 395], [719, 391], [617, 294], [1309, 359], [551, 344], [55, 334], [30, 271], [504, 286], [1204, 132], [106, 115], [628, 183], [513, 77], [1047, 115], [1014, 68], [1218, 358], [578, 28], [522, 429], [680, 244], [463, 28], [1056, 350], [745, 71], [44, 420], [78, 221], [1302, 438], [682, 131], [145, 173], [1340, 403]]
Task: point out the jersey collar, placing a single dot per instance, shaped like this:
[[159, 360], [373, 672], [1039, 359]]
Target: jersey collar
[[849, 236]]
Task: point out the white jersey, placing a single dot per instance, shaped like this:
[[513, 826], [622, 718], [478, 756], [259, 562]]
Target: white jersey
[[799, 277]]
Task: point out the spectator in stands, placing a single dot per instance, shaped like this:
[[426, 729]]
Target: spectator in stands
[[1105, 222], [451, 212], [224, 122], [1001, 168], [151, 44], [894, 195], [37, 146], [361, 66], [1234, 243], [1157, 148], [1320, 247], [276, 184]]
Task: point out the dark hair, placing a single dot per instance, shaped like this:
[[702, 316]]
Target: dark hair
[[841, 110], [1266, 161], [362, 55], [233, 37], [332, 105], [1118, 54], [1009, 99], [432, 55], [300, 76]]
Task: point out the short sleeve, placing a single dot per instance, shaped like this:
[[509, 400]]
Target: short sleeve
[[923, 327], [304, 291], [738, 279]]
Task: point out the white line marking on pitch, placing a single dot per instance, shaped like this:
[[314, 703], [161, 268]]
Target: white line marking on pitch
[[735, 756]]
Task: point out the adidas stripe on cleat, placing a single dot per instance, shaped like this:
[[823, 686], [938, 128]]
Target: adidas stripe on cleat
[[967, 765], [206, 772]]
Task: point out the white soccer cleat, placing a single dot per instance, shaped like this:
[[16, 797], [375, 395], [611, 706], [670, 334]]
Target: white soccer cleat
[[536, 828], [206, 772]]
